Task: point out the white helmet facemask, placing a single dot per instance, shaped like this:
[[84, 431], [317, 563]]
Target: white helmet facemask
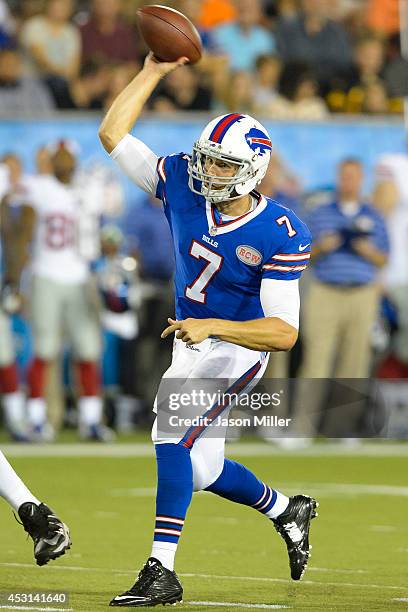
[[234, 139]]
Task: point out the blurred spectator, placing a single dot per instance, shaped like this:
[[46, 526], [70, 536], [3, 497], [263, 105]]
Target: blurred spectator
[[192, 10], [349, 88], [117, 278], [244, 39], [61, 299], [313, 38], [19, 94], [396, 71], [382, 16], [368, 61], [278, 184], [52, 44], [88, 90], [298, 97], [350, 247], [118, 77], [16, 227], [106, 38], [182, 90], [268, 70], [238, 94], [149, 239], [216, 12], [145, 226], [391, 198]]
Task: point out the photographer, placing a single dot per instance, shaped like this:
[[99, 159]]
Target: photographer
[[350, 246]]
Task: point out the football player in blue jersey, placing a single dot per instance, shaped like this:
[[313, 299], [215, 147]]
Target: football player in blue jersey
[[239, 256]]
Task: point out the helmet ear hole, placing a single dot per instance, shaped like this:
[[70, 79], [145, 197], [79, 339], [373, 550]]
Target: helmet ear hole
[[241, 189]]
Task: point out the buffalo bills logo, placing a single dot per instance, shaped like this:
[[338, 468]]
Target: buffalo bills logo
[[258, 141]]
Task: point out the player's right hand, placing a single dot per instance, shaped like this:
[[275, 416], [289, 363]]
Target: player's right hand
[[163, 68]]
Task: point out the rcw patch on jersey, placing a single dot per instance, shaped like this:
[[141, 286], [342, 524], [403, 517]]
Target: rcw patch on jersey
[[248, 255], [258, 141]]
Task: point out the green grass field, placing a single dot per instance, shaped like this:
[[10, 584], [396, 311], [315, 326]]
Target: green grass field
[[228, 554]]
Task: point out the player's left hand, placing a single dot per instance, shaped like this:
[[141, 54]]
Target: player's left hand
[[190, 331]]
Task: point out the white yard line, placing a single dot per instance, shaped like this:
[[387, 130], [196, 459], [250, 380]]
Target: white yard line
[[382, 528], [282, 580], [340, 488], [337, 571], [211, 576], [35, 608], [233, 604], [322, 489], [253, 449]]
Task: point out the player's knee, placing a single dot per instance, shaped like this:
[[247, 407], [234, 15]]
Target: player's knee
[[204, 472]]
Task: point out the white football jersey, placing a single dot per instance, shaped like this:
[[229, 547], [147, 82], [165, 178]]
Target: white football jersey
[[55, 253], [394, 167]]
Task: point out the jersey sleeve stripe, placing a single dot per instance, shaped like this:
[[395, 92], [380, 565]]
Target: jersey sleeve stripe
[[284, 268], [291, 257], [160, 169]]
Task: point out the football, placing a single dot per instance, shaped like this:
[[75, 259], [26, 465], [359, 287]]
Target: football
[[169, 34]]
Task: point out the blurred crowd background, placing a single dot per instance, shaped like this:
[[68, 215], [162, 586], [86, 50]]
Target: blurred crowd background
[[277, 58], [290, 63]]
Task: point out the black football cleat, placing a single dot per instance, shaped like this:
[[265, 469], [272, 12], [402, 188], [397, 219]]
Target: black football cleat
[[155, 585], [294, 525], [50, 535]]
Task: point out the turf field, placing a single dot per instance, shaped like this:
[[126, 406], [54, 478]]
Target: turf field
[[230, 557]]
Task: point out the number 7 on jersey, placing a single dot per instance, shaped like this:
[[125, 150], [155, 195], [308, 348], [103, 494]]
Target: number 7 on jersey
[[196, 290]]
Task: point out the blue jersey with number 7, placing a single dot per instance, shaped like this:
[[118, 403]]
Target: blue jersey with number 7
[[220, 265]]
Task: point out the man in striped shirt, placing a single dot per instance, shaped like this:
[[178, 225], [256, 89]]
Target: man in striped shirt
[[350, 248]]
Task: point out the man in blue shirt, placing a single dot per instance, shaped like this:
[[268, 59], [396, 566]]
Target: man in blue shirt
[[244, 40], [350, 247]]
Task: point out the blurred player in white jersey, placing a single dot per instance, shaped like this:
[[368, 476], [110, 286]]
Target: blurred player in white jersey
[[60, 298], [49, 534], [239, 256], [16, 224], [391, 197]]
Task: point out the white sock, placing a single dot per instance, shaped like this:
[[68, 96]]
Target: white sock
[[90, 411], [36, 411], [165, 552], [12, 488], [14, 408], [279, 506]]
